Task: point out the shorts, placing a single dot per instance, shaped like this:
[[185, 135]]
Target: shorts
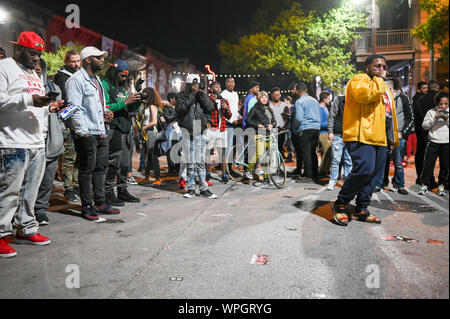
[[216, 138]]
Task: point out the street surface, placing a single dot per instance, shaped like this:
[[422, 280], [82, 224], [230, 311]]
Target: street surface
[[171, 247]]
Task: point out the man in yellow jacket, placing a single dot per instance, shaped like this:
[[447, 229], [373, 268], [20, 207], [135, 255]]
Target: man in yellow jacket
[[369, 125]]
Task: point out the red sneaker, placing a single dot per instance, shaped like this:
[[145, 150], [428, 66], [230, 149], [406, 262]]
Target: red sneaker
[[206, 181], [107, 210], [6, 251], [182, 184], [36, 239]]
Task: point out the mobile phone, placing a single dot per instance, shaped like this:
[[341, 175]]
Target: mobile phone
[[52, 95]]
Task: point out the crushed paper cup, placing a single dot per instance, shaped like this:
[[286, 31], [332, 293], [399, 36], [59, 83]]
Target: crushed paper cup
[[435, 242], [258, 259], [399, 238]]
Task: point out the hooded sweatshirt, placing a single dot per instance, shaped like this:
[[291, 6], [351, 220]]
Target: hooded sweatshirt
[[437, 128], [21, 124]]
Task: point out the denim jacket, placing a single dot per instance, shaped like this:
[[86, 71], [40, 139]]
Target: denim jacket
[[82, 91], [307, 113]]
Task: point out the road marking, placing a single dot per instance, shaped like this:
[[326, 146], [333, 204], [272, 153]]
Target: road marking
[[375, 196], [389, 197], [411, 273], [429, 201]]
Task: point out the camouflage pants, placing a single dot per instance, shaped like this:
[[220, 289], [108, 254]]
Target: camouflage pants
[[70, 172]]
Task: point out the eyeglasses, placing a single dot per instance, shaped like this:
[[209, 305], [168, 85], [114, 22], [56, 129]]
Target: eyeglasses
[[381, 66], [100, 57]]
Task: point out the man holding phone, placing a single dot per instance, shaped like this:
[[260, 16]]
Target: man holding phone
[[370, 124], [24, 109]]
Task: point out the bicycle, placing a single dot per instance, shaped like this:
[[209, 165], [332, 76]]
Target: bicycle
[[271, 161]]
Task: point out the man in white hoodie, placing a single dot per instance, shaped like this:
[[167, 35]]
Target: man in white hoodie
[[24, 109]]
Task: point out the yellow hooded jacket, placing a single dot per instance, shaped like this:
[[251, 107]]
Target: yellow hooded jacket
[[365, 114]]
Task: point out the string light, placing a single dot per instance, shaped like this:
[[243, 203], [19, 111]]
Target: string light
[[237, 75]]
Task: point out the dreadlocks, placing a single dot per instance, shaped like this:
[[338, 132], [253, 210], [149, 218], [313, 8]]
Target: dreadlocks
[[113, 79]]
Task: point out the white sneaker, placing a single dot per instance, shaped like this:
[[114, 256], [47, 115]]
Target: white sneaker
[[248, 175], [441, 190], [331, 185], [131, 181], [423, 190]]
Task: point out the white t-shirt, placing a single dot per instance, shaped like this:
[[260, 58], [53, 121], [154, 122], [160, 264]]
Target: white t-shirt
[[21, 124], [277, 111], [233, 100]]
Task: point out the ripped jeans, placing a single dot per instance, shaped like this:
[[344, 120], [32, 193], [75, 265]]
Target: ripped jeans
[[21, 173], [337, 148]]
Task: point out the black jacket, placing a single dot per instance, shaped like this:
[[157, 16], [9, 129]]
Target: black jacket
[[258, 116], [191, 107], [61, 78], [423, 105], [170, 114], [408, 116]]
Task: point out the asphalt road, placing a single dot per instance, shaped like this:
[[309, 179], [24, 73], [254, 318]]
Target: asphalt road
[[171, 247]]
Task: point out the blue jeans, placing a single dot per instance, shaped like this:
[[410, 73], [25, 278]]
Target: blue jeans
[[21, 173], [399, 174], [368, 164], [337, 148], [230, 135], [195, 159]]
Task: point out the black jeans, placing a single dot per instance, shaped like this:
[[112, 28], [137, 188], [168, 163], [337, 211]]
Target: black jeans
[[432, 152], [281, 140], [92, 155], [420, 154], [298, 155], [309, 139], [115, 159]]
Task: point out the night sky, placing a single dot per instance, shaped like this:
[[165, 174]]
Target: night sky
[[177, 29]]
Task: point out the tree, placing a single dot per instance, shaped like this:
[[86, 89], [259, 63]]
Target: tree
[[305, 44], [434, 31], [55, 60]]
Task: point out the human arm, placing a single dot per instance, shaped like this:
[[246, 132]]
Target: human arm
[[365, 90], [205, 102], [74, 94], [430, 120], [170, 115], [408, 117], [225, 109], [184, 104]]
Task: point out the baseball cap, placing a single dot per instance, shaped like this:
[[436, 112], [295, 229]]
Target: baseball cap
[[191, 77], [121, 65], [30, 40], [92, 51]]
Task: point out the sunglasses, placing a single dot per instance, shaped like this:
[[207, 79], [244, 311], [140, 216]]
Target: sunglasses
[[381, 66]]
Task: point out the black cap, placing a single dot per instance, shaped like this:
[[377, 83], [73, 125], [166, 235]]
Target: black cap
[[252, 84]]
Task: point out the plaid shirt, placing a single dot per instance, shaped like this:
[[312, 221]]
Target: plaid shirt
[[226, 115]]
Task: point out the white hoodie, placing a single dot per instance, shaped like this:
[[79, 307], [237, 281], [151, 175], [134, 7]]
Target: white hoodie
[[21, 124], [437, 128]]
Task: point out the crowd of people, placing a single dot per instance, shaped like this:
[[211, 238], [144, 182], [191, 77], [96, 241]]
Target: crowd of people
[[94, 125]]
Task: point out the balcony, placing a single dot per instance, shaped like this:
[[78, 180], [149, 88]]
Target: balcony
[[387, 41]]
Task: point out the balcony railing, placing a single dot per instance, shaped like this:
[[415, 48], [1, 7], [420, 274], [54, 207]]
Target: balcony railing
[[387, 41]]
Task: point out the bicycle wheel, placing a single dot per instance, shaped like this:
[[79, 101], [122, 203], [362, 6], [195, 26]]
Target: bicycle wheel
[[277, 170], [236, 167]]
